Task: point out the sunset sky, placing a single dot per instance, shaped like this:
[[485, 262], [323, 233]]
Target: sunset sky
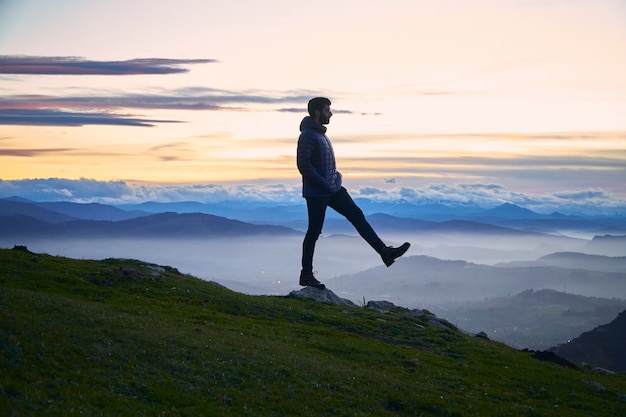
[[511, 99]]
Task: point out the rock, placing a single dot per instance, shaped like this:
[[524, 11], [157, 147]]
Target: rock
[[383, 307], [605, 371], [482, 335], [22, 249], [549, 356], [417, 313], [595, 384], [323, 296], [155, 270], [441, 323]]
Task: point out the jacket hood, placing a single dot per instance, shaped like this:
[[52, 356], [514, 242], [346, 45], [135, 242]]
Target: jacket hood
[[309, 123]]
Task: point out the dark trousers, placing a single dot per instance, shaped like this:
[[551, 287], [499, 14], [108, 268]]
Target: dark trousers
[[343, 204]]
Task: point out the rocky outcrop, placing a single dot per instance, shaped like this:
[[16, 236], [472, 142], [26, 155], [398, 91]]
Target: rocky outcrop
[[22, 249], [383, 307], [323, 296]]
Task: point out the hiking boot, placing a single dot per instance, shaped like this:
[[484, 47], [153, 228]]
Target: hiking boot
[[307, 279], [389, 254]]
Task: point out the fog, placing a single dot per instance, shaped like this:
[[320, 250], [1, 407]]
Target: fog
[[271, 265], [432, 275], [259, 265]]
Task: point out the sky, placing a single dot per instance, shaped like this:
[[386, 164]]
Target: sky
[[519, 101]]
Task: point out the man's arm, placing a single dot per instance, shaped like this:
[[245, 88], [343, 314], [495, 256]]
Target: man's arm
[[306, 147]]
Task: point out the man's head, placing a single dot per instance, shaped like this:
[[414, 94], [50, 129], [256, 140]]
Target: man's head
[[319, 109]]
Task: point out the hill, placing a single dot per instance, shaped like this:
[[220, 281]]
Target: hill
[[10, 208], [58, 211], [535, 319], [154, 226], [293, 214], [123, 337], [584, 261], [603, 346], [91, 211], [607, 245], [433, 283], [23, 218]]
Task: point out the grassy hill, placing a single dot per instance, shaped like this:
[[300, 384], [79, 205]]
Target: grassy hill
[[123, 338]]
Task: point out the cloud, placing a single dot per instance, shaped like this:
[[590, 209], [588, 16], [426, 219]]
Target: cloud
[[98, 108], [181, 99], [28, 153], [488, 195], [81, 110], [44, 117], [335, 111], [292, 110], [117, 192], [365, 191], [66, 65]]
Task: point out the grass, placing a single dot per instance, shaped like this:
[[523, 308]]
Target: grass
[[124, 338]]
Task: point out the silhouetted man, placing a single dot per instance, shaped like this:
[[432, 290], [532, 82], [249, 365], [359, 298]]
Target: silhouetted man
[[321, 187]]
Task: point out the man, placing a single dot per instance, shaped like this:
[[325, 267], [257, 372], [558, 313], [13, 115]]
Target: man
[[321, 187]]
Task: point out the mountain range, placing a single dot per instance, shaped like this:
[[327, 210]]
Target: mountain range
[[294, 214], [507, 219], [577, 260], [435, 283], [18, 218]]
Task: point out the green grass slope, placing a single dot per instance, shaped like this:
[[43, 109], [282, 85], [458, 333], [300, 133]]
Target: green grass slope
[[127, 338]]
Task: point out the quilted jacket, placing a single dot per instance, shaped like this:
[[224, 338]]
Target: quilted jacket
[[316, 160]]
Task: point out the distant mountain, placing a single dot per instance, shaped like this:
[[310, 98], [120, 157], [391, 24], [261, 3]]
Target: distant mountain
[[293, 215], [91, 211], [18, 226], [251, 212], [20, 217], [196, 224], [60, 211], [506, 216], [428, 211], [162, 207], [584, 261], [511, 215], [384, 221], [511, 211], [155, 226], [602, 347], [17, 198], [13, 207], [607, 244], [534, 319], [458, 231], [434, 283], [63, 212]]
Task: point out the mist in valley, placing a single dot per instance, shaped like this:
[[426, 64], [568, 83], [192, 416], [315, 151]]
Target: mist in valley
[[454, 275], [271, 265]]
